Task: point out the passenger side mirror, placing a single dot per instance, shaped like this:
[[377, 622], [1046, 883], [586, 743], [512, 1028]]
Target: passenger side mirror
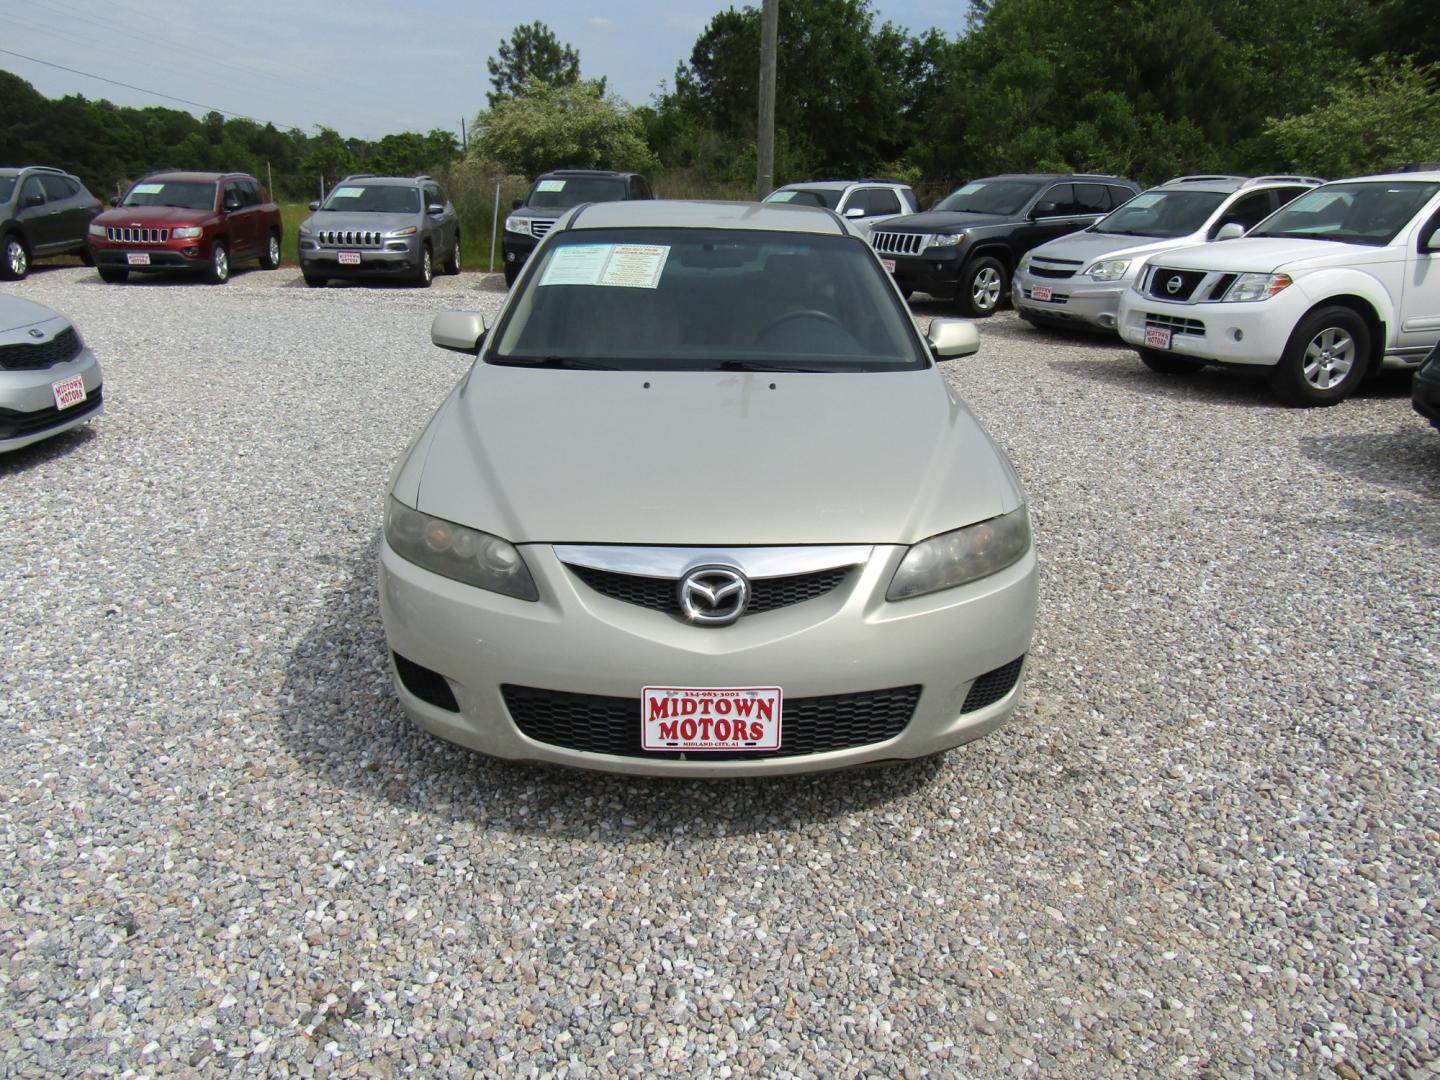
[[458, 331], [33, 199], [314, 204], [231, 204], [951, 338], [855, 212], [1231, 230], [435, 208]]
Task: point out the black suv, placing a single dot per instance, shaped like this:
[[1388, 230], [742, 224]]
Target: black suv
[[43, 211], [551, 195], [969, 243]]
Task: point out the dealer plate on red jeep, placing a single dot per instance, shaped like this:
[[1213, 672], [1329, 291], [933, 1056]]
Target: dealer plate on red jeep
[[349, 258], [137, 258], [708, 718]]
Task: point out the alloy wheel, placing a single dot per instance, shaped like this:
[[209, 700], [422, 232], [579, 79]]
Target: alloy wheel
[[16, 260], [985, 289], [1329, 358]]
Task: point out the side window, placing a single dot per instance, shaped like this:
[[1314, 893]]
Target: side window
[[232, 200], [1119, 196], [1246, 211], [1062, 200], [31, 193], [882, 201], [431, 195], [1092, 198], [440, 196], [249, 193], [58, 187], [1287, 194], [645, 192]]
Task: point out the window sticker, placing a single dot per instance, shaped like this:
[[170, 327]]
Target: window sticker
[[149, 189], [550, 185], [348, 192], [629, 266], [1140, 202], [781, 196]]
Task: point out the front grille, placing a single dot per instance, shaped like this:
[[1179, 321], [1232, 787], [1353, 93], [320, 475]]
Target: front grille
[[349, 238], [1055, 297], [1174, 323], [992, 686], [1054, 268], [126, 235], [539, 228], [14, 423], [1176, 285], [593, 724], [899, 243], [661, 594], [42, 354]]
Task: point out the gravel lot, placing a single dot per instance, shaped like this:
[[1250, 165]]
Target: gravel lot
[[1206, 847]]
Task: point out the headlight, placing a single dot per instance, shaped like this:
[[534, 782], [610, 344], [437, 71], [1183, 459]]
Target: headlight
[[409, 230], [518, 225], [947, 240], [1248, 287], [305, 230], [1107, 269], [97, 230], [965, 555], [186, 232], [461, 554]]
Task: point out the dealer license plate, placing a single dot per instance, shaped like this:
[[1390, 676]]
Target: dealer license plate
[[349, 258], [68, 392], [1157, 337], [138, 258], [889, 264], [700, 719], [1040, 292]]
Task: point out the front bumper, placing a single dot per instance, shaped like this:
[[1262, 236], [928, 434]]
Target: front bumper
[[936, 271], [193, 257], [1253, 334], [320, 261], [1078, 300], [27, 403], [575, 641], [517, 248]]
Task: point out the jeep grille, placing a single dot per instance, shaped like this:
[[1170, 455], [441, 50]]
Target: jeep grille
[[349, 238], [899, 243], [119, 235]]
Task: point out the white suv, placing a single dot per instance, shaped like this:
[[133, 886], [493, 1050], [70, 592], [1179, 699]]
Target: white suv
[[1324, 291], [861, 203]]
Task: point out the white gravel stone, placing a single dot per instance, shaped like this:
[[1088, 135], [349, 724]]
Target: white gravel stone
[[1206, 846]]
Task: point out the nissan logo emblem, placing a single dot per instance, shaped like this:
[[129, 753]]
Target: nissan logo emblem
[[1175, 284], [713, 595]]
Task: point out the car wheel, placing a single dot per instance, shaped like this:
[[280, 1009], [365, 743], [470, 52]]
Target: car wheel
[[1325, 359], [511, 273], [114, 275], [982, 287], [426, 273], [87, 257], [17, 259], [218, 271], [452, 264], [271, 259], [1168, 363]]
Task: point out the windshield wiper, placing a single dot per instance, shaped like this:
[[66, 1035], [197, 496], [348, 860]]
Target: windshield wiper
[[553, 362], [749, 365]]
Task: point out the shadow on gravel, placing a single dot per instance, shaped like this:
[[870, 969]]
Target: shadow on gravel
[[340, 719], [1405, 459], [1221, 386], [57, 446]]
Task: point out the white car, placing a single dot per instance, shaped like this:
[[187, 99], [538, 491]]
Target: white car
[[1342, 280], [705, 505], [862, 204]]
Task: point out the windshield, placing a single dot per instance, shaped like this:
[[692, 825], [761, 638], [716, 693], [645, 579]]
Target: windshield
[[707, 300], [7, 185], [821, 197], [185, 194], [990, 197], [1354, 212], [374, 199], [561, 193], [1162, 213]]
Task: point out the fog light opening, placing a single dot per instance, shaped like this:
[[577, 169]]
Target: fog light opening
[[1236, 334]]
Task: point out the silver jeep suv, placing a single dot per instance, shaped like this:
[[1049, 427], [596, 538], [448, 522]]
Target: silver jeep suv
[[380, 226], [1076, 281], [861, 203]]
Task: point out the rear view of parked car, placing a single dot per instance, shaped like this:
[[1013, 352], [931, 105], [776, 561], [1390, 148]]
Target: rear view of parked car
[[203, 223], [378, 227], [49, 380], [43, 212], [550, 196]]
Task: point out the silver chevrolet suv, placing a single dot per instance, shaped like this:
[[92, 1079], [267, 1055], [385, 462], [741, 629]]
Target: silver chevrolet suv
[[1076, 281], [380, 226], [860, 203]]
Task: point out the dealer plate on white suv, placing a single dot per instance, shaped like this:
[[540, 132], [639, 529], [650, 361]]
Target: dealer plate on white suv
[[695, 718]]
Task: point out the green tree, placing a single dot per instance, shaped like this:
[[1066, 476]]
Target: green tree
[[532, 52], [553, 127], [328, 155]]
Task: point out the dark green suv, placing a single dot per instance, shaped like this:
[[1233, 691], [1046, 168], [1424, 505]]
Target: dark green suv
[[43, 211]]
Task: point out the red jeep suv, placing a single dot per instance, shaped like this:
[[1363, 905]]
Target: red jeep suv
[[187, 221]]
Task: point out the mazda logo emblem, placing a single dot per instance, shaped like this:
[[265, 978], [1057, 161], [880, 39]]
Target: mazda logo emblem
[[1174, 285], [713, 595]]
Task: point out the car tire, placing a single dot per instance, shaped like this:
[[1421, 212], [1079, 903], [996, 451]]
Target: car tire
[[315, 281], [1325, 360], [426, 271], [982, 287], [1168, 363], [87, 257], [15, 263], [114, 275], [452, 264], [218, 272], [271, 259], [511, 273]]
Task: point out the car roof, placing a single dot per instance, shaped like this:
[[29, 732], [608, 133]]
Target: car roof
[[195, 177], [584, 172], [677, 214], [1422, 176], [834, 184], [16, 170], [387, 181], [1225, 184]]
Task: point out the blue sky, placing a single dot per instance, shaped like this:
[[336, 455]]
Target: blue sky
[[365, 67]]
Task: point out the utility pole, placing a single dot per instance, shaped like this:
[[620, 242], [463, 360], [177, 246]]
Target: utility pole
[[765, 138], [464, 137]]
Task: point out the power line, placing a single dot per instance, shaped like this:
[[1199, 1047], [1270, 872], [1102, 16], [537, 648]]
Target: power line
[[153, 93]]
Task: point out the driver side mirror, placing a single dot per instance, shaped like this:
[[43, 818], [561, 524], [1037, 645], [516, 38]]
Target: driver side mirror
[[435, 208], [1431, 242], [458, 331], [231, 204], [952, 338], [1231, 230], [855, 212], [314, 204], [33, 199]]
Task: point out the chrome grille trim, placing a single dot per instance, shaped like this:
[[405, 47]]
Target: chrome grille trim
[[539, 228], [124, 234], [898, 243], [1174, 323], [349, 238], [673, 562]]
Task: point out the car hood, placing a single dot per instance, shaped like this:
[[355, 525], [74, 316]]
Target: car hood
[[16, 314], [705, 458], [340, 220], [1265, 255], [1086, 247], [151, 215], [941, 221]]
